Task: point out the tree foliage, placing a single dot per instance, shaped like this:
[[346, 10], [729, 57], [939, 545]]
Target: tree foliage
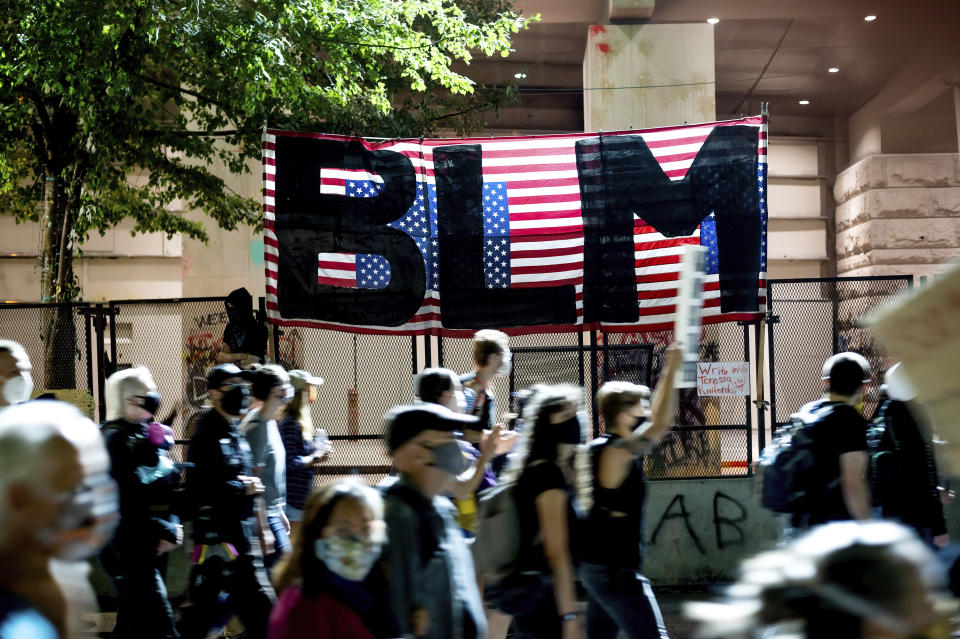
[[120, 108], [93, 92]]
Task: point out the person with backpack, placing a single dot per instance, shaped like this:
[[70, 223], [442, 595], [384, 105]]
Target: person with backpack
[[433, 587], [539, 589], [836, 489], [621, 598], [148, 528], [903, 469]]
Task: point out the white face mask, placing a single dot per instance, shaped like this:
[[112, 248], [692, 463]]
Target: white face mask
[[17, 389]]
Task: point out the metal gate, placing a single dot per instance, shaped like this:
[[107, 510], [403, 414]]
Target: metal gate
[[810, 320]]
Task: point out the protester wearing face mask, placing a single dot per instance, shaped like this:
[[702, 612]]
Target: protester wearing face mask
[[58, 506], [621, 598], [331, 585], [441, 386], [244, 338], [148, 528], [220, 491], [16, 384], [433, 588], [544, 473], [271, 389]]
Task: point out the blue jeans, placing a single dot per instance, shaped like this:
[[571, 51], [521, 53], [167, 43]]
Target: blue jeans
[[281, 541], [621, 600]]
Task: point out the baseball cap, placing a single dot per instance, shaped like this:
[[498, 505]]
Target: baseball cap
[[301, 379], [220, 373], [403, 423]]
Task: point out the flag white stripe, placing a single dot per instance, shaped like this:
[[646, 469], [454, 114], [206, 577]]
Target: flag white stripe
[[546, 277], [546, 224], [526, 243], [336, 274], [576, 258]]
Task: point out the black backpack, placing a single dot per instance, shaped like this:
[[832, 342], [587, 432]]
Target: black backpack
[[883, 450], [787, 468]]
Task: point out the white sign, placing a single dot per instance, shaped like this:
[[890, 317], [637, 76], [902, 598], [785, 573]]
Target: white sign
[[687, 321], [723, 379]]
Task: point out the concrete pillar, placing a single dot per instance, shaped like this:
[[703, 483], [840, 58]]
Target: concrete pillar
[[648, 75]]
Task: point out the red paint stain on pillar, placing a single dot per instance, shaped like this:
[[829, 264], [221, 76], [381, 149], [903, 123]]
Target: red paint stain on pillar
[[604, 47], [597, 29]]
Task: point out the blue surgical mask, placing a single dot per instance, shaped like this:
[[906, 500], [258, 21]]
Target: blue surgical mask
[[449, 458]]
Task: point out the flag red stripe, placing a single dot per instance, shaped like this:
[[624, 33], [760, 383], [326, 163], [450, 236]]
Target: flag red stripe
[[337, 266], [543, 215], [544, 199], [553, 252], [335, 281]]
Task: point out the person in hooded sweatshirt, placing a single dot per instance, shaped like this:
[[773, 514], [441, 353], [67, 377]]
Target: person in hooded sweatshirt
[[244, 338]]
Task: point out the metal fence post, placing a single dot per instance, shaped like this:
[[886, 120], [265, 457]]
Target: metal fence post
[[594, 382], [98, 326], [748, 426]]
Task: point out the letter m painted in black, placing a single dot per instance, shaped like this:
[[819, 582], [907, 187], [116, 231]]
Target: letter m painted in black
[[620, 178]]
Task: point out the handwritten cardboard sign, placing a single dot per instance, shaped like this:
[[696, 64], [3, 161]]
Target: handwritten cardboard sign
[[723, 379]]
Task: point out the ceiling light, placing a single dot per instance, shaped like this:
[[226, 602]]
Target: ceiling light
[[804, 102], [713, 20], [833, 70], [519, 76], [869, 18]]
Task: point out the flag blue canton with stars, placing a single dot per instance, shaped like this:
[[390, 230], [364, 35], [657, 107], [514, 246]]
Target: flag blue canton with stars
[[373, 271], [419, 222], [496, 232], [762, 184]]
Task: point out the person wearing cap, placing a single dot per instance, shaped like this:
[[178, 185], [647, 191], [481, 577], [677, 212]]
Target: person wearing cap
[[433, 587], [839, 436], [912, 495], [304, 446], [271, 389], [220, 490], [148, 529]]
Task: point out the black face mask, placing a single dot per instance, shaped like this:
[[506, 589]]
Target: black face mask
[[235, 400], [235, 315], [150, 402], [569, 431]]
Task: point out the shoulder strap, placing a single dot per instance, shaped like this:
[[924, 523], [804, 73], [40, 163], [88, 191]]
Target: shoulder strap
[[429, 542]]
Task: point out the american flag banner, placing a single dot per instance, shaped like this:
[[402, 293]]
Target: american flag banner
[[524, 234]]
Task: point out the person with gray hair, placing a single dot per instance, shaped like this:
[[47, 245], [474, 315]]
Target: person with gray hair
[[58, 506], [148, 527], [856, 580], [16, 383]]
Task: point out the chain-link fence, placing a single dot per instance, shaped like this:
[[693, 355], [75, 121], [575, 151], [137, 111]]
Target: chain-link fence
[[58, 339], [712, 435], [811, 319], [364, 376]]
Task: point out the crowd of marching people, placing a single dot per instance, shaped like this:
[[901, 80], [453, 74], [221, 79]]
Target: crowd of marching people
[[483, 529]]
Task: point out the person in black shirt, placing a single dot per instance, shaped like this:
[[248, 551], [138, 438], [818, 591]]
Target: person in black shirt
[[839, 435], [244, 338], [913, 496], [220, 490], [621, 599], [148, 529], [544, 475]]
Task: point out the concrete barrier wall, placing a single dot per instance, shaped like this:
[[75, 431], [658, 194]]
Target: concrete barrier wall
[[698, 531]]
